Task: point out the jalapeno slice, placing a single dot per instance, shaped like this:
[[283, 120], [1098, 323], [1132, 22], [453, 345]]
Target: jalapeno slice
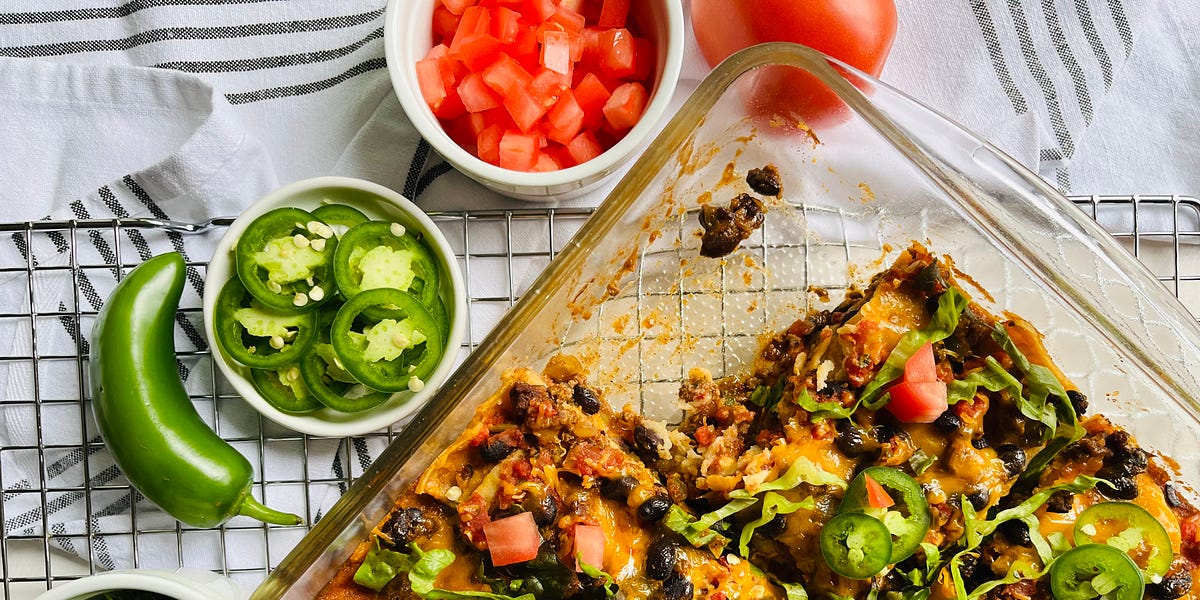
[[908, 520], [328, 379], [258, 336], [392, 353], [1131, 529], [1096, 571], [284, 389], [339, 216], [856, 545], [378, 254], [285, 260]]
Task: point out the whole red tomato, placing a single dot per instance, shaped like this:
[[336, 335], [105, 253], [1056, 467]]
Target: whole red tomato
[[857, 32]]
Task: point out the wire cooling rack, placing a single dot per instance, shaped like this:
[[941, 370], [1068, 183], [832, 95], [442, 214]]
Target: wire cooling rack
[[500, 253]]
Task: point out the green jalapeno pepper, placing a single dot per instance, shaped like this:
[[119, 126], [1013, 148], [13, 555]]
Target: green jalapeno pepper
[[257, 336], [378, 254], [284, 389], [285, 260], [1128, 527], [856, 545], [145, 415], [392, 353], [1096, 571], [339, 216], [328, 380], [908, 520]]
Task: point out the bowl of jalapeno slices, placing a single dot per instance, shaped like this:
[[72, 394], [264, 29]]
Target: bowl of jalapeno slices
[[334, 306]]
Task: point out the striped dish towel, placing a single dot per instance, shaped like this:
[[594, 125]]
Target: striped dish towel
[[190, 109]]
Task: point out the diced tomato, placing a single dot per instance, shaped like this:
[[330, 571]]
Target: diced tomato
[[524, 108], [457, 6], [445, 23], [545, 163], [526, 43], [429, 78], [565, 119], [451, 107], [548, 86], [570, 20], [921, 366], [518, 151], [617, 53], [592, 96], [591, 47], [505, 24], [589, 547], [625, 106], [512, 539], [584, 148], [477, 51], [561, 155], [505, 75], [476, 95], [475, 20], [539, 10], [877, 497], [917, 401], [556, 52], [487, 143], [644, 58], [613, 13]]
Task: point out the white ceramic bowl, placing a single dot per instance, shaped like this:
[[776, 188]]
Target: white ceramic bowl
[[408, 36], [183, 584], [377, 202]]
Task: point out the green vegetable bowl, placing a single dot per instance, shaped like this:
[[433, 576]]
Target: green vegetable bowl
[[148, 584], [291, 402]]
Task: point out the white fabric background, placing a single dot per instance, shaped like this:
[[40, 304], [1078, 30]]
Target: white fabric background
[[194, 108]]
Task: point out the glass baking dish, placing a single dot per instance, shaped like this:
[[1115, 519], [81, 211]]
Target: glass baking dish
[[631, 297]]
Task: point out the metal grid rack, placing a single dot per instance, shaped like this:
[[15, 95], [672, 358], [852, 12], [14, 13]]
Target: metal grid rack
[[500, 253]]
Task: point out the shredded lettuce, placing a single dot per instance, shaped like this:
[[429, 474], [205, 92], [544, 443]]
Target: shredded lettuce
[[1040, 385], [699, 531], [830, 409], [767, 396], [975, 529], [920, 461], [381, 566], [943, 323], [773, 504], [991, 377], [1019, 571], [1044, 549], [610, 586], [794, 591]]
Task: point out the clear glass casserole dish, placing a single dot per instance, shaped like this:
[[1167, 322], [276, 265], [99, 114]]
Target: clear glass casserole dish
[[633, 299]]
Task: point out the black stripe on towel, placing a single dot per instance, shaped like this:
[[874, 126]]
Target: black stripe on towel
[[1058, 124], [1122, 23], [414, 169], [108, 12], [191, 33], [1093, 37], [274, 93], [1062, 47], [269, 62], [176, 238], [991, 39]]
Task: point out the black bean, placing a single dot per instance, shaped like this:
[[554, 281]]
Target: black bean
[[850, 439], [495, 448], [1012, 457], [1118, 488], [661, 558], [1173, 585], [1061, 502], [619, 488], [980, 443], [677, 587], [654, 509], [1078, 401], [407, 524], [932, 280], [979, 498], [1174, 496], [948, 421], [544, 509], [1130, 461], [586, 399], [775, 527], [1117, 440], [1017, 532], [765, 180], [647, 443]]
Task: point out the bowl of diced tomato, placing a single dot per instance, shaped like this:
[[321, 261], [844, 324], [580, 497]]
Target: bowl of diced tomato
[[535, 99]]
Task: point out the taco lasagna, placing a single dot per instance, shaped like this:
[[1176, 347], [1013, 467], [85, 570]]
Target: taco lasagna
[[906, 444]]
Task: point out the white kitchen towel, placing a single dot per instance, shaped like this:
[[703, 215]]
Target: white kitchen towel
[[190, 109]]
